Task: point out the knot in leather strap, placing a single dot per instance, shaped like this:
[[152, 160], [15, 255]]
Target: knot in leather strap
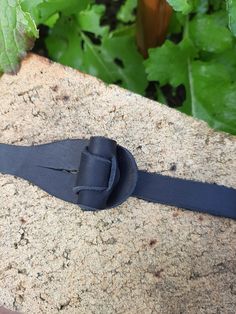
[[107, 175]]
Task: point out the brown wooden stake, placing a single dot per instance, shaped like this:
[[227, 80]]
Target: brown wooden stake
[[153, 17]]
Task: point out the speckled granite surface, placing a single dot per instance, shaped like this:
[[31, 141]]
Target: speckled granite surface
[[137, 258]]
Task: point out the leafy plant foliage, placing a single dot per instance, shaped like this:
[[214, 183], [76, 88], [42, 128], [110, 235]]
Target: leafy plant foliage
[[80, 41], [17, 29], [183, 6], [202, 60], [205, 62], [231, 7]]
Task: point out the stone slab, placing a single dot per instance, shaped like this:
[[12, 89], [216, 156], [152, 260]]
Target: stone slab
[[137, 258]]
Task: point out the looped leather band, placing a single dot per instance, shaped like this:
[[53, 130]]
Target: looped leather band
[[98, 174], [107, 176]]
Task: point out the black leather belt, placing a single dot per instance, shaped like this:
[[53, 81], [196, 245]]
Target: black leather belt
[[98, 174]]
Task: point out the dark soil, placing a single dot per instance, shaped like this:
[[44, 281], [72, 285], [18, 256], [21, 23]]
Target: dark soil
[[39, 46], [112, 7], [174, 96]]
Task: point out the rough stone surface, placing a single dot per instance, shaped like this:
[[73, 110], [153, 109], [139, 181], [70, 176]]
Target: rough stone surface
[[137, 258]]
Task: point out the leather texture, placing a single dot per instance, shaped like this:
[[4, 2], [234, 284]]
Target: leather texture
[[107, 175], [99, 174]]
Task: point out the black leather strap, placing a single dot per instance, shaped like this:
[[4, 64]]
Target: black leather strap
[[98, 174], [197, 196]]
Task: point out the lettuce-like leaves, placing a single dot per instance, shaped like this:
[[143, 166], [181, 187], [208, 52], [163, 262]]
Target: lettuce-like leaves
[[126, 12], [41, 10], [205, 67], [231, 7], [184, 6], [18, 20], [17, 34], [81, 42]]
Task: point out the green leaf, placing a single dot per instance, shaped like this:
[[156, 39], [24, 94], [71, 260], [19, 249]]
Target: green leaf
[[214, 95], [204, 62], [79, 41], [51, 21], [120, 47], [17, 33], [126, 12], [231, 7], [175, 26], [169, 63], [41, 10], [228, 60], [89, 20], [184, 6], [209, 33], [200, 6], [210, 86], [64, 42], [70, 45]]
